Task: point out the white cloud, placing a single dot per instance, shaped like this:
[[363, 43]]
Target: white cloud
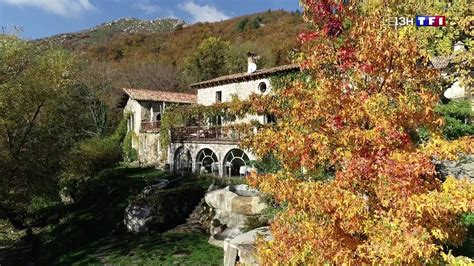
[[64, 8], [203, 13], [146, 7]]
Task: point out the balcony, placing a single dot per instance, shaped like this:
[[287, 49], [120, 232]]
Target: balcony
[[205, 134], [152, 127]]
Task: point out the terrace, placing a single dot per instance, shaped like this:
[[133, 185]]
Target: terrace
[[147, 127], [205, 134]]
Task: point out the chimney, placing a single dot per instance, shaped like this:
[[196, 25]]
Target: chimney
[[252, 62]]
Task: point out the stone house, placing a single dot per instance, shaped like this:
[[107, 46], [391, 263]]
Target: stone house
[[214, 149], [144, 109], [210, 148], [455, 91]]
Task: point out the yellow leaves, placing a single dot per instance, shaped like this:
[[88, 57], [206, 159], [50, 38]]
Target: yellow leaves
[[439, 234], [455, 261], [448, 150]]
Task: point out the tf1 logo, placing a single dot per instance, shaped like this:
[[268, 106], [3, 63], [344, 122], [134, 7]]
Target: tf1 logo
[[419, 21]]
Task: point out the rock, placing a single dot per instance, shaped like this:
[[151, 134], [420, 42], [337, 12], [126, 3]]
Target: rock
[[242, 247], [464, 167], [228, 200], [138, 219], [232, 206], [66, 196], [180, 255], [162, 183]]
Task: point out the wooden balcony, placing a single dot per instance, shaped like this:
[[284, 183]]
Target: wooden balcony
[[205, 134], [150, 127]]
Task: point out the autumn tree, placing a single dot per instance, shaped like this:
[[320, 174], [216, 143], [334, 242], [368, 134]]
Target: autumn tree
[[358, 186]]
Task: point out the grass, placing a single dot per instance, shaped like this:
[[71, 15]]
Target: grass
[[92, 231], [151, 249]]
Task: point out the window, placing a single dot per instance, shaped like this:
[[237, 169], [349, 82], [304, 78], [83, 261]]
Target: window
[[131, 122], [262, 87], [215, 120], [218, 96], [270, 119]]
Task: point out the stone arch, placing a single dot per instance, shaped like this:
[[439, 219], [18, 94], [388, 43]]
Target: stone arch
[[182, 160], [207, 161], [233, 161]]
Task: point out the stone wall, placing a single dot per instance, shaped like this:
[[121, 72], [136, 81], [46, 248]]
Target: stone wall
[[149, 149], [243, 90]]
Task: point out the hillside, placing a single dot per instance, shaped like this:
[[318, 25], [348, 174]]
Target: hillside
[[113, 28], [171, 41]]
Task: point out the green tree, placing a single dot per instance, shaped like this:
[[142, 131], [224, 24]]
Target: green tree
[[237, 59], [38, 118], [257, 22], [209, 60], [242, 25]]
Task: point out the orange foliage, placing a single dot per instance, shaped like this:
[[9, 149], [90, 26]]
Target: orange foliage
[[370, 88]]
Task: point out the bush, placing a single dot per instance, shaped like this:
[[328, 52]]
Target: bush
[[93, 155], [171, 207], [129, 153], [88, 158], [242, 24], [457, 115]]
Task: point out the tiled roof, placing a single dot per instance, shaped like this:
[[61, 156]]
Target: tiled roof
[[441, 62], [157, 96], [263, 73]]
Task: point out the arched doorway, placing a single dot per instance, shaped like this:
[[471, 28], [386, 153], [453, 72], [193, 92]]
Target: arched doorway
[[182, 160], [235, 163], [206, 161]]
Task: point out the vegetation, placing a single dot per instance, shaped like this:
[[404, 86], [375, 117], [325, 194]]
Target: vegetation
[[172, 47], [172, 206], [208, 60], [38, 119], [457, 115], [92, 231], [357, 188]]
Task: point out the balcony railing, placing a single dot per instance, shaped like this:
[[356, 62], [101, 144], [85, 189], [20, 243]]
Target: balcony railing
[[198, 133], [150, 127]]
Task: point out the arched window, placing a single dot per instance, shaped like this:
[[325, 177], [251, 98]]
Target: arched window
[[206, 161], [182, 160], [262, 87], [235, 163]]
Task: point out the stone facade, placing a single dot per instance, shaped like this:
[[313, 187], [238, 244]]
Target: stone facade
[[242, 90], [144, 110], [221, 165], [212, 149], [193, 152]]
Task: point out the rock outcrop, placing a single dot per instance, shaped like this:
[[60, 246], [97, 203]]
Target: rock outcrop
[[242, 247], [464, 167], [138, 218], [232, 206]]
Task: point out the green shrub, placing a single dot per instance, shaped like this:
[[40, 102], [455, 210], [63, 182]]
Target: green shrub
[[256, 22], [242, 24], [254, 222], [129, 153], [457, 115], [268, 165], [91, 156], [171, 207]]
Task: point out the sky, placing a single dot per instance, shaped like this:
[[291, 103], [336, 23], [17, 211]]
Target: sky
[[41, 18]]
